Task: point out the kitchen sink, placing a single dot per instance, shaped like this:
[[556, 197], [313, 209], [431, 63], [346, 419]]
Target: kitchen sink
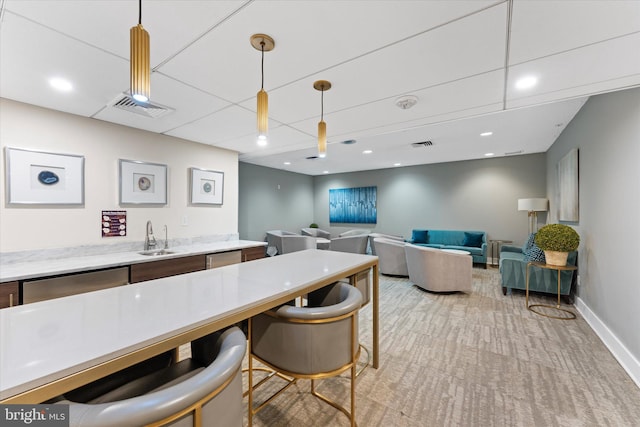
[[156, 252]]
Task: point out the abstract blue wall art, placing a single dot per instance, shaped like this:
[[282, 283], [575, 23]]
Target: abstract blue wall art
[[353, 205]]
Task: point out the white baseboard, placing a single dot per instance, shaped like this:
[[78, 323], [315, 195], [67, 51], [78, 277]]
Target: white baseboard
[[617, 348]]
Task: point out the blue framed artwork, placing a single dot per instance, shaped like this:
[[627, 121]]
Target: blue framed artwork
[[353, 205]]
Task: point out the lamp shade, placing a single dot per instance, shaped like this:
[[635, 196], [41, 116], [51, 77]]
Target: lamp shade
[[533, 205]]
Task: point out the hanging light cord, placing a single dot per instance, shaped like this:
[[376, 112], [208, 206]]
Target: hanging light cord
[[322, 104], [261, 64], [140, 12]]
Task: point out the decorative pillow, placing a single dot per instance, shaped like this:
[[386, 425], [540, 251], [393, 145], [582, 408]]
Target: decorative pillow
[[420, 236], [473, 240], [527, 245], [535, 254]]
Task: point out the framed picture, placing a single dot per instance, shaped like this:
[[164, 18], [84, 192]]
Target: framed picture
[[568, 190], [143, 183], [38, 178], [207, 187], [353, 205]]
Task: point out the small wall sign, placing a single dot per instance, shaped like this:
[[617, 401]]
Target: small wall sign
[[113, 223]]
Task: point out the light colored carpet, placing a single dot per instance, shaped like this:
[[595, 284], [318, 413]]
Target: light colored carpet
[[479, 359]]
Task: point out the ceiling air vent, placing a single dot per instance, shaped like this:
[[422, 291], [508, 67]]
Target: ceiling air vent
[[127, 103], [312, 157], [422, 144]]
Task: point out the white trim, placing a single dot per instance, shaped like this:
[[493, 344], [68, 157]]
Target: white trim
[[626, 359]]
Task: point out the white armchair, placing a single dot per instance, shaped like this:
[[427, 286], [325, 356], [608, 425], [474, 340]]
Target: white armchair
[[355, 244], [315, 232], [354, 232], [391, 256], [437, 270], [374, 236], [286, 242]]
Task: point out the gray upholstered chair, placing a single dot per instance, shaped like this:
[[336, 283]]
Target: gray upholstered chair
[[313, 342], [211, 387], [319, 235], [315, 232], [438, 270], [391, 257], [374, 236], [354, 232], [286, 242], [356, 244]]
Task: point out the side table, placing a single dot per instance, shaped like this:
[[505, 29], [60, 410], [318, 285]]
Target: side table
[[559, 269], [494, 245]]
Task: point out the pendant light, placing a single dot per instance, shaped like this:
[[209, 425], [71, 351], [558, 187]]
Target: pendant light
[[140, 71], [322, 85], [263, 43]]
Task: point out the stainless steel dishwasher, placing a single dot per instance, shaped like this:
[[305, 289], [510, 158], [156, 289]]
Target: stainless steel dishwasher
[[221, 259], [71, 284]]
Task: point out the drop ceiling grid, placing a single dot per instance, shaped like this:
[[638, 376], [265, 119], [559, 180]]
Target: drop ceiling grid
[[105, 24], [542, 28], [41, 53]]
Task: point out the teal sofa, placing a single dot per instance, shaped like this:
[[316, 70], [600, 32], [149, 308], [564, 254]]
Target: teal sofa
[[474, 242], [513, 265]]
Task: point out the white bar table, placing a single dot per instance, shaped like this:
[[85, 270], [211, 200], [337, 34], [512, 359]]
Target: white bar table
[[50, 347]]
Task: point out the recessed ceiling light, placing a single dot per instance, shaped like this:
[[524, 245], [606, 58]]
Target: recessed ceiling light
[[325, 171], [526, 82], [486, 134], [367, 152], [397, 164], [60, 84], [287, 163], [489, 154]]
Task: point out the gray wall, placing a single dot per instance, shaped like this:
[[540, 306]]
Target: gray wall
[[468, 195], [271, 199], [607, 133]]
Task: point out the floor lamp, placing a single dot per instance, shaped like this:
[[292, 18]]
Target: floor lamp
[[533, 206]]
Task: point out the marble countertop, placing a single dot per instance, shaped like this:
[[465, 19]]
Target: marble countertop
[[75, 264], [48, 341]]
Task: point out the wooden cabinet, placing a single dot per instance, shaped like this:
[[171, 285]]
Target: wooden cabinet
[[249, 254], [9, 294], [165, 268]]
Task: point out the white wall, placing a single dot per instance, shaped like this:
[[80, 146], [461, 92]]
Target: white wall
[[607, 133], [272, 199], [102, 144]]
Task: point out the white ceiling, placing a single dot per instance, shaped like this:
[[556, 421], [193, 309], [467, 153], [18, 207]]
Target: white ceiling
[[460, 58]]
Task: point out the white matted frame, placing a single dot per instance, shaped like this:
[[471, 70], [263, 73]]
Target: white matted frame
[[142, 183], [568, 187], [39, 178], [207, 187]]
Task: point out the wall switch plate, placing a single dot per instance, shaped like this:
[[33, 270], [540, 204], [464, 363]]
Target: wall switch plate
[[184, 221], [578, 279]]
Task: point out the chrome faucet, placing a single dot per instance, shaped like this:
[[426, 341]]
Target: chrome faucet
[[166, 237], [149, 240]]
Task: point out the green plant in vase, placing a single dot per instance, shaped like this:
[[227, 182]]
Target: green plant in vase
[[557, 240], [313, 225]]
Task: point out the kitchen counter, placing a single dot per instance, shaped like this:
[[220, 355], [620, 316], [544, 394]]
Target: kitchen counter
[[53, 346], [53, 267]]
